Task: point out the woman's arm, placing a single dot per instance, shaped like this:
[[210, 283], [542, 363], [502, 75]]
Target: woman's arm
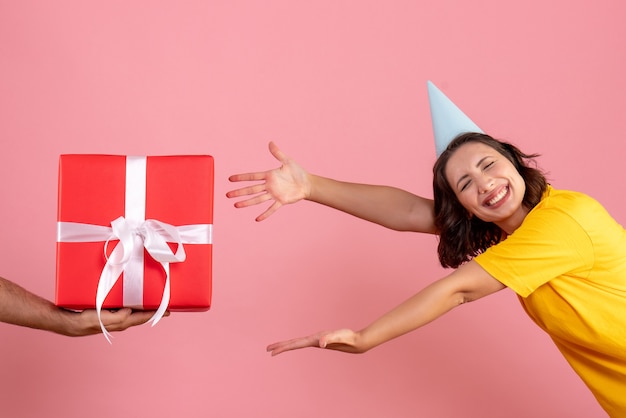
[[21, 307], [387, 206], [468, 283], [384, 205]]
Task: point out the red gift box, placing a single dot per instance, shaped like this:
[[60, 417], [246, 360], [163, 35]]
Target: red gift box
[[123, 226]]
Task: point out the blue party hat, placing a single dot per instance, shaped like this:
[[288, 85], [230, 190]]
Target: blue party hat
[[448, 120]]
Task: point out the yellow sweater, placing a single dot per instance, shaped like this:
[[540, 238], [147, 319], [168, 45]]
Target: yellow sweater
[[567, 263]]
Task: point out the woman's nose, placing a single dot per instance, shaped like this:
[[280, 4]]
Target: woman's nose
[[485, 185]]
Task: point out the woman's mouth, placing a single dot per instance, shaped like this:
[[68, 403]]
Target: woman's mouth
[[498, 197]]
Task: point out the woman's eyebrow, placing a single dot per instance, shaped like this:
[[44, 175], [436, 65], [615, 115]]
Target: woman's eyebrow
[[479, 163], [463, 177]]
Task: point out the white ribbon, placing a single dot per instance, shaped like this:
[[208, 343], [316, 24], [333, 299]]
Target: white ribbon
[[135, 234]]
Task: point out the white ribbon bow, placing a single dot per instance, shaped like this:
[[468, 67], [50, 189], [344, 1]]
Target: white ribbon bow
[[154, 235]]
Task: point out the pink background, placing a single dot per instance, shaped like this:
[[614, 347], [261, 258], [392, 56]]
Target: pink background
[[341, 87]]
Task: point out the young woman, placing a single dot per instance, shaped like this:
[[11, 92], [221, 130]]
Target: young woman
[[500, 225]]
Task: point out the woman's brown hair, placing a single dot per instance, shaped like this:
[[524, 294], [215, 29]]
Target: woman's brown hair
[[462, 236]]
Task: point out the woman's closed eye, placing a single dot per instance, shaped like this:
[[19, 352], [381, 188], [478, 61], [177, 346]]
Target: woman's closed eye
[[467, 183]]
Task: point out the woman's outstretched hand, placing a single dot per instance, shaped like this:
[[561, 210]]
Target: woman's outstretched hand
[[344, 340], [286, 184]]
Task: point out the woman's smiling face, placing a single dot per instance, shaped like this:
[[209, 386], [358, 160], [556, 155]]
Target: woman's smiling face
[[488, 185]]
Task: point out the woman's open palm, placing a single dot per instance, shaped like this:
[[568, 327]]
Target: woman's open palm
[[344, 340], [286, 184]]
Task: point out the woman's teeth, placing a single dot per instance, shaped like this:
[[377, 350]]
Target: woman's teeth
[[498, 197]]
